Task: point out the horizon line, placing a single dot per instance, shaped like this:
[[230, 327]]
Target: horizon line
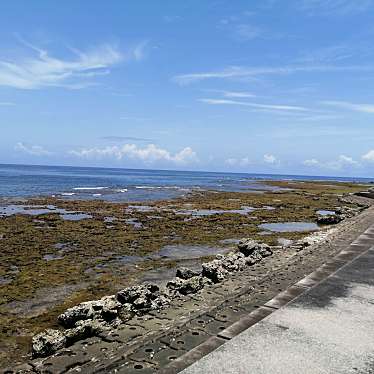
[[191, 171]]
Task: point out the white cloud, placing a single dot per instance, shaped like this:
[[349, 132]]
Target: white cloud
[[311, 162], [42, 70], [363, 108], [34, 150], [241, 162], [243, 72], [270, 159], [369, 156], [235, 94], [342, 162], [253, 105], [148, 154]]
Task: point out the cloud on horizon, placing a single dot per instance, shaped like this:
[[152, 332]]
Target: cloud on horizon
[[148, 154], [342, 162], [34, 150]]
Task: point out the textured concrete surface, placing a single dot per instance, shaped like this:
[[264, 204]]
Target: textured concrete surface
[[328, 329]]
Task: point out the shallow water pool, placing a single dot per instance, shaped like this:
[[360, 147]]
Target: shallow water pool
[[289, 226]]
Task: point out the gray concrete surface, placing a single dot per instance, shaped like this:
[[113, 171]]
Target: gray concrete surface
[[328, 329]]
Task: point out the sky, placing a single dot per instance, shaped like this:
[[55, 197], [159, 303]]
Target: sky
[[261, 86]]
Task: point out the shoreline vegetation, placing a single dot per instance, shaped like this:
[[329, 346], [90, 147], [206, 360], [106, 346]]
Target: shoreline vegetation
[[77, 251]]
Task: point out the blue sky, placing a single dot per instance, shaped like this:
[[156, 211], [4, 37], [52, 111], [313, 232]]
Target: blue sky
[[266, 86]]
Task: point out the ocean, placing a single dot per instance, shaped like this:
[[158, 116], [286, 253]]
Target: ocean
[[114, 184]]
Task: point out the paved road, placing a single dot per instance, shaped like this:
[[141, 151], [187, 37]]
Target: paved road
[[328, 329]]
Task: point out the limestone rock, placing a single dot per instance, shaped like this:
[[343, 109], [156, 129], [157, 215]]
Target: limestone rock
[[143, 298], [86, 329], [253, 258], [214, 271], [187, 286], [186, 273], [106, 308], [48, 342], [234, 262]]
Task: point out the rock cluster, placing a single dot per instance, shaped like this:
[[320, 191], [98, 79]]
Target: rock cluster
[[92, 318], [142, 299]]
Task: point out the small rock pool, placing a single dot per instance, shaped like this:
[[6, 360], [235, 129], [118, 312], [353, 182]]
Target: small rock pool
[[289, 226]]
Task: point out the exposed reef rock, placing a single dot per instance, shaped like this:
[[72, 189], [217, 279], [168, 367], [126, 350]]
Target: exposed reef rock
[[143, 298], [93, 318], [186, 273], [104, 309], [48, 342], [187, 286]]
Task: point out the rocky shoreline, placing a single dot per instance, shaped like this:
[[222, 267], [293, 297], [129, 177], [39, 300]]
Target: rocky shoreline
[[104, 317], [140, 313]]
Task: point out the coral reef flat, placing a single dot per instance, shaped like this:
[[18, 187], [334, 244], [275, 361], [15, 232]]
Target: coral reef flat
[[49, 263]]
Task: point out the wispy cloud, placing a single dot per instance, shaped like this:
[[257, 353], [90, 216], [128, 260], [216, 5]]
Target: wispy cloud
[[237, 94], [363, 108], [330, 54], [148, 155], [117, 139], [233, 72], [254, 105], [34, 150], [43, 70]]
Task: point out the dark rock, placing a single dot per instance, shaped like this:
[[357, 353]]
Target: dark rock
[[187, 286], [48, 342], [329, 219], [186, 273], [249, 246]]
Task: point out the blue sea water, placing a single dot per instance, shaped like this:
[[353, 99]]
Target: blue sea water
[[128, 184]]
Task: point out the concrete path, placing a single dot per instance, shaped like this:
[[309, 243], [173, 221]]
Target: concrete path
[[327, 329]]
